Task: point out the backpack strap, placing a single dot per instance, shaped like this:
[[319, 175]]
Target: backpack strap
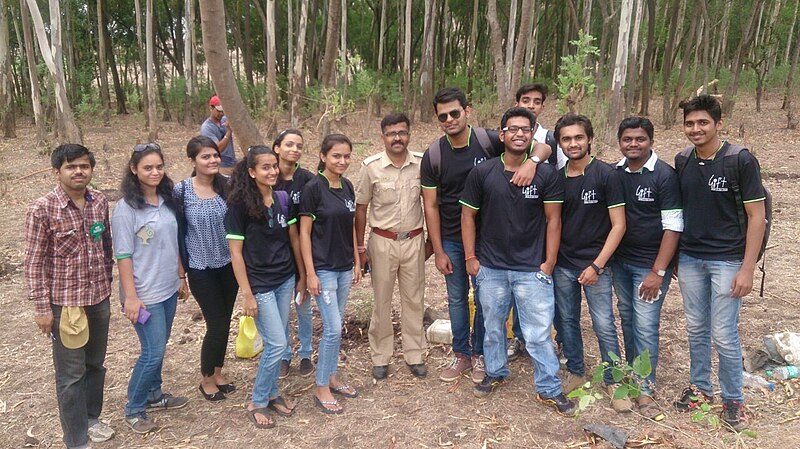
[[483, 140], [283, 201], [682, 158], [435, 156], [730, 164], [550, 139]]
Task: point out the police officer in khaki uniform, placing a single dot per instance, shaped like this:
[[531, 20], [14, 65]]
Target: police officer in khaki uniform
[[389, 184]]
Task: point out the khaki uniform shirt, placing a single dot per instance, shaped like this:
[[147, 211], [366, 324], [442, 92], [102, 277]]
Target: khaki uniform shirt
[[392, 193]]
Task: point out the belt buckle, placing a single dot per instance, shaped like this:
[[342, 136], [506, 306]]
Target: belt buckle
[[403, 235]]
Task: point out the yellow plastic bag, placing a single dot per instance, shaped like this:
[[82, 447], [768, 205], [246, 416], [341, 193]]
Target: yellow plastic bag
[[248, 342]]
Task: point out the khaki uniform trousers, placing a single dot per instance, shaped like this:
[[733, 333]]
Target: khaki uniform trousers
[[403, 260]]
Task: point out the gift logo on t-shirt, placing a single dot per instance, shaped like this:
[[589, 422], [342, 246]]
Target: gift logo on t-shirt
[[718, 183], [477, 161], [296, 197], [644, 194], [589, 196], [282, 220], [351, 206], [530, 192]]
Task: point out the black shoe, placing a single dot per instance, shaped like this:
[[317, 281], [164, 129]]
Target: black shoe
[[733, 415], [380, 372], [418, 370], [563, 406], [212, 397], [306, 367], [284, 372], [691, 399], [487, 386]]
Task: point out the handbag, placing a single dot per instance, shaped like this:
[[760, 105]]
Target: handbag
[[248, 342]]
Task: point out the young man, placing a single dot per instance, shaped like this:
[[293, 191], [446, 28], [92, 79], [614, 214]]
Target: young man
[[593, 223], [388, 185], [717, 257], [217, 128], [68, 270], [510, 262], [442, 179], [642, 266]]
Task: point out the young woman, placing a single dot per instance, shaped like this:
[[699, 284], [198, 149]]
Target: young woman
[[289, 147], [266, 256], [151, 276], [207, 259], [327, 209]]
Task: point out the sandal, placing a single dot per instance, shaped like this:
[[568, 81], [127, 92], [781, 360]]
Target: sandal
[[211, 397], [227, 388], [261, 411], [345, 390], [325, 406], [279, 401]]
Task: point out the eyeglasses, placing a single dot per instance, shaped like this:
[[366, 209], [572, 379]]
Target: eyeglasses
[[394, 134], [515, 129], [456, 114], [138, 148]]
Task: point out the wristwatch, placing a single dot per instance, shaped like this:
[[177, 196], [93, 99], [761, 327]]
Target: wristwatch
[[536, 159], [659, 273], [598, 270]]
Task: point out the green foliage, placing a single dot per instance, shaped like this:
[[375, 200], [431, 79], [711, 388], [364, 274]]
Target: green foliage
[[629, 377], [575, 80]]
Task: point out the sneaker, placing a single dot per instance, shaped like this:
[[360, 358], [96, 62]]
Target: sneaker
[[691, 399], [168, 402], [140, 423], [306, 367], [563, 406], [100, 432], [649, 408], [487, 386], [733, 414], [458, 366], [515, 348], [560, 353], [284, 372], [622, 405], [572, 382], [478, 369]]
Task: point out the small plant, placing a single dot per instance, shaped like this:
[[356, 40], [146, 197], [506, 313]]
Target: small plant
[[575, 80], [629, 377]]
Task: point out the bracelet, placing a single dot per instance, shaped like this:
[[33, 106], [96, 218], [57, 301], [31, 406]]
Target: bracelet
[[182, 277], [470, 258]]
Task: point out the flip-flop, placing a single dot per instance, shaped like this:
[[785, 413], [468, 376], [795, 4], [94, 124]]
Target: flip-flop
[[324, 406], [227, 388], [279, 401], [261, 411], [342, 390], [211, 397]]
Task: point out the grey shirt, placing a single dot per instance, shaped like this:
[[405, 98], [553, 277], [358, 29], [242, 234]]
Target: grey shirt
[[216, 133], [149, 236]]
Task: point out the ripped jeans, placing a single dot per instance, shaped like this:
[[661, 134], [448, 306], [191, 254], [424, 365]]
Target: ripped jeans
[[335, 287]]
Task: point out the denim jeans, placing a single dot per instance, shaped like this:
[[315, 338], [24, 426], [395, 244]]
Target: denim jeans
[[533, 293], [271, 322], [304, 331], [640, 319], [80, 374], [601, 309], [457, 305], [712, 315], [516, 329], [335, 286], [145, 383]]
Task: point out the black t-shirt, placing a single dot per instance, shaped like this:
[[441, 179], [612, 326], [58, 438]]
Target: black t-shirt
[[294, 187], [710, 212], [453, 170], [266, 249], [646, 194], [585, 223], [333, 211], [512, 225]]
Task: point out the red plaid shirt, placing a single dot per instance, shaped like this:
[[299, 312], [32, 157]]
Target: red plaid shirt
[[68, 255]]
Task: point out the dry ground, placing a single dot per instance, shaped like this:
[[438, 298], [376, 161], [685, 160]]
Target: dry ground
[[401, 412]]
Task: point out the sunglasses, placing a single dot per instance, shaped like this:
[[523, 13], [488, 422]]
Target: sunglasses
[[456, 114], [146, 147]]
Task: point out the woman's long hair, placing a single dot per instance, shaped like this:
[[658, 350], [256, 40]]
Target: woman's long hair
[[193, 148], [328, 142], [132, 190], [244, 189]]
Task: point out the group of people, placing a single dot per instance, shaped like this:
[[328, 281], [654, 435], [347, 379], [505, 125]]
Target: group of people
[[530, 215]]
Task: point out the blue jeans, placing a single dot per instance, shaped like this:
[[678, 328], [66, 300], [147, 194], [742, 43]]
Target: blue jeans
[[533, 293], [640, 319], [712, 315], [271, 319], [335, 286], [516, 329], [304, 331], [601, 309], [457, 305], [145, 383]]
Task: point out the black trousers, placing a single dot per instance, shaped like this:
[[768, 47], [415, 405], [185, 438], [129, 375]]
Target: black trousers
[[215, 290]]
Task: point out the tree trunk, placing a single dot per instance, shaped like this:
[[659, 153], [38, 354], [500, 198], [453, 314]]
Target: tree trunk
[[512, 27], [33, 74], [105, 95], [381, 47], [587, 16], [188, 63], [407, 60], [67, 129], [473, 38], [297, 72], [791, 110], [142, 63], [791, 33], [272, 56], [215, 45], [729, 100], [345, 77], [648, 57], [6, 95], [497, 52], [668, 115], [426, 63], [71, 75], [119, 92], [633, 74], [328, 69], [719, 60], [531, 47], [152, 125], [615, 111], [519, 51]]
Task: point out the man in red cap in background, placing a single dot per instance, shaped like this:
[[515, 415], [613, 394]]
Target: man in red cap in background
[[216, 128]]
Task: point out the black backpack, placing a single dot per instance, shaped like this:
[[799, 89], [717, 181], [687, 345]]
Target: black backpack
[[435, 149]]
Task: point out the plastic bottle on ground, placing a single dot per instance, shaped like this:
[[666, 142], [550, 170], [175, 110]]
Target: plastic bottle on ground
[[784, 372], [756, 382]]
